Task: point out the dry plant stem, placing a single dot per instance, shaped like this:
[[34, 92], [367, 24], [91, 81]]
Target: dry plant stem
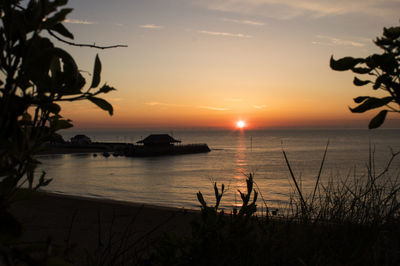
[[86, 45], [319, 173], [264, 201], [125, 236], [68, 239], [123, 252], [107, 249], [303, 203]]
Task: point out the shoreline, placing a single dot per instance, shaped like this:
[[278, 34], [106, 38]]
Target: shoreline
[[117, 202], [66, 150], [79, 224]]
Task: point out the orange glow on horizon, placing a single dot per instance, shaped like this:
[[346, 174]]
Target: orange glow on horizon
[[87, 115]]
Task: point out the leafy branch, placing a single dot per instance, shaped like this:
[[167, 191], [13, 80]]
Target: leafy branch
[[384, 72], [35, 76]]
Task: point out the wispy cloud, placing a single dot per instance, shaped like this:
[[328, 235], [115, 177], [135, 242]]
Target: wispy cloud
[[151, 26], [332, 41], [213, 108], [79, 21], [159, 104], [260, 106], [225, 34], [246, 22], [288, 9]]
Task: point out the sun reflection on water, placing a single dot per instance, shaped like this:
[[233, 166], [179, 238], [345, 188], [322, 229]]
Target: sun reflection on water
[[241, 166]]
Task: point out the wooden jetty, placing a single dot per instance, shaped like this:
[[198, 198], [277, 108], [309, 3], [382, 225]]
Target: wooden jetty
[[163, 144], [153, 145]]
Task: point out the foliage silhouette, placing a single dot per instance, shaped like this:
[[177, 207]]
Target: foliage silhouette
[[384, 70], [36, 76], [217, 239]]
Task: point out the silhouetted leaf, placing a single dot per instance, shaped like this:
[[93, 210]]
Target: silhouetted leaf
[[249, 182], [103, 104], [359, 82], [255, 197], [52, 107], [55, 66], [43, 181], [392, 32], [378, 120], [243, 196], [360, 99], [361, 70], [388, 63], [216, 190], [345, 63], [372, 61], [371, 103], [75, 87], [105, 88], [61, 29], [395, 86], [46, 182], [60, 16], [383, 41], [59, 124], [383, 79], [70, 77], [60, 2], [201, 199], [96, 72]]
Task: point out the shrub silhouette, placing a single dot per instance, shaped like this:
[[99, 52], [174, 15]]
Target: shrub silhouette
[[383, 73], [36, 76]]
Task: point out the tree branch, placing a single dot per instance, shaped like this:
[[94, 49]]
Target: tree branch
[[84, 44]]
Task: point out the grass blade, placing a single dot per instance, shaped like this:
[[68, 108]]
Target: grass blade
[[319, 173]]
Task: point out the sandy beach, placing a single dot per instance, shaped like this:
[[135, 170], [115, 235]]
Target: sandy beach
[[80, 225]]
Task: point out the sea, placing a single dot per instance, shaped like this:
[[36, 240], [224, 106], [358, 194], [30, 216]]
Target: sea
[[174, 181]]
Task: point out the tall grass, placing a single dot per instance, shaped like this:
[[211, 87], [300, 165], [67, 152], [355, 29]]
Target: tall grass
[[341, 221], [369, 199]]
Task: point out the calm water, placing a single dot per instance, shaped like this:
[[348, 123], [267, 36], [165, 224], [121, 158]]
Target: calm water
[[175, 180]]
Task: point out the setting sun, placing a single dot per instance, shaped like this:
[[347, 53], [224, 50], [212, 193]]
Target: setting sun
[[240, 124]]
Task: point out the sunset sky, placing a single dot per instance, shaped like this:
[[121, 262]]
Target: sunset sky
[[209, 63]]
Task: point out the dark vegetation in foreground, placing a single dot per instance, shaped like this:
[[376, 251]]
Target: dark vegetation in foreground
[[352, 221], [344, 221]]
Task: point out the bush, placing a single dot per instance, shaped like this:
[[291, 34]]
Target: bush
[[385, 72], [36, 76]]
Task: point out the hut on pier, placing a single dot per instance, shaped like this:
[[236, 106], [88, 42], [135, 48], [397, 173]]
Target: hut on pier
[[161, 145], [158, 140], [81, 140]]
